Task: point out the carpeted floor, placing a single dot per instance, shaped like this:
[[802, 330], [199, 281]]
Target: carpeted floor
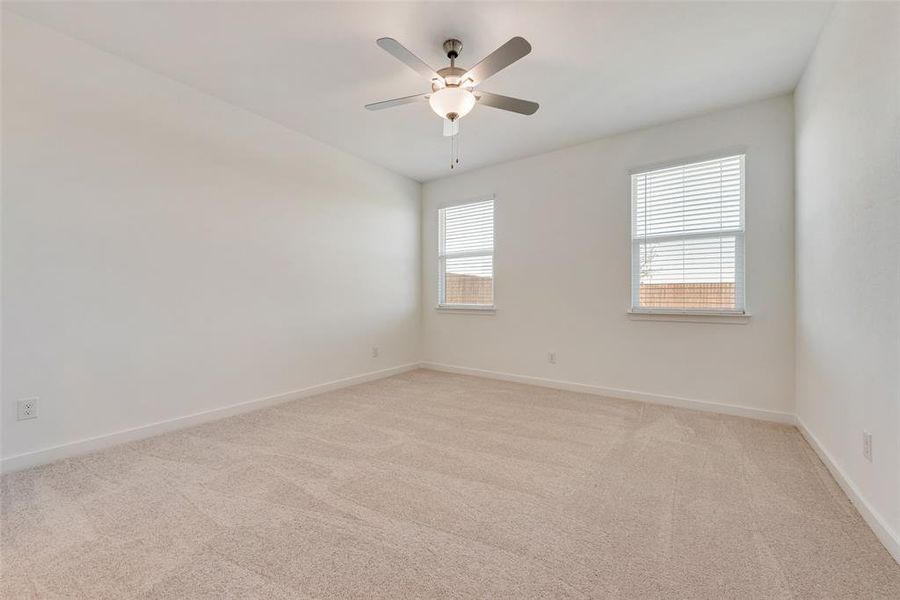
[[429, 485]]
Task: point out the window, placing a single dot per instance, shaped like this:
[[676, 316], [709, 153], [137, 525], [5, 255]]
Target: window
[[466, 255], [687, 238]]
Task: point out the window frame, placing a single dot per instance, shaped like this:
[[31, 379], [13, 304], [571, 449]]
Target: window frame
[[700, 315], [442, 259]]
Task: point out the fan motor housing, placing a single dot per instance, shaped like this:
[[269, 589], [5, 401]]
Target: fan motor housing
[[451, 75]]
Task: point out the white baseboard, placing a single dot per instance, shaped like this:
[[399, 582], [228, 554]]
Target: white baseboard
[[704, 405], [84, 446], [875, 521]]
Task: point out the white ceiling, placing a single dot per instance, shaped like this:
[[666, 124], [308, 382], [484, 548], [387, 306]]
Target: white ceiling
[[596, 68]]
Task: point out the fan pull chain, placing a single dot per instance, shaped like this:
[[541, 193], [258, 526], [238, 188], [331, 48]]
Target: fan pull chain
[[454, 148], [452, 137]]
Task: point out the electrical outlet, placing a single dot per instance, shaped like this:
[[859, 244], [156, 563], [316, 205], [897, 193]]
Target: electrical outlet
[[551, 358], [374, 351], [27, 409], [867, 445]]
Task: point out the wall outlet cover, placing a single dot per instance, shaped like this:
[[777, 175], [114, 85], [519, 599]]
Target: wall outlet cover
[[27, 409]]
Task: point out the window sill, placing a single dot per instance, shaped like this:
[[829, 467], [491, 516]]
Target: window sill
[[730, 318], [464, 309]]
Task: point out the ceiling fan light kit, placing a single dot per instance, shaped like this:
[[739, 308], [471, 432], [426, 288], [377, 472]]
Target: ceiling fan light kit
[[452, 103], [453, 94]]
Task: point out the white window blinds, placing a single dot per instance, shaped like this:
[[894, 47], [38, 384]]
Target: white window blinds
[[466, 255], [687, 232]]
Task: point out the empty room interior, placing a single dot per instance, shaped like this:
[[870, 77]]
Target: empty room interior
[[450, 300]]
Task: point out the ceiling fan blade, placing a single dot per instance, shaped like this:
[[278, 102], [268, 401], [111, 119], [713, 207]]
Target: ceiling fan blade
[[516, 105], [396, 102], [399, 51], [499, 59]]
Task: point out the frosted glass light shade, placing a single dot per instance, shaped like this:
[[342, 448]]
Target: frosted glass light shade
[[452, 100]]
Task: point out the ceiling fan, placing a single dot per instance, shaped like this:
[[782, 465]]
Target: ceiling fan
[[453, 89]]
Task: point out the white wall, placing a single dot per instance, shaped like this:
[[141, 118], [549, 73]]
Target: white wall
[[848, 251], [166, 253], [562, 269]]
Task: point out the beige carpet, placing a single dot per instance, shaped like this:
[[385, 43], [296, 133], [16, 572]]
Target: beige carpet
[[429, 485]]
